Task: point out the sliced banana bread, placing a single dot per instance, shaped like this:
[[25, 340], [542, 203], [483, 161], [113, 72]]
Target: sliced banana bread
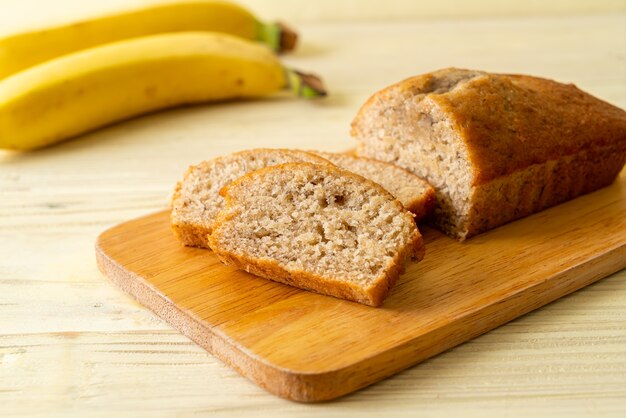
[[414, 193], [196, 200], [319, 228], [496, 147]]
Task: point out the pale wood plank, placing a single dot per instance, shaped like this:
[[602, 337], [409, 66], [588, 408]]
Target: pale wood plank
[[32, 13], [566, 359]]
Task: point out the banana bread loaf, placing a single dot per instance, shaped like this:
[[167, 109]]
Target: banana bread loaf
[[496, 147]]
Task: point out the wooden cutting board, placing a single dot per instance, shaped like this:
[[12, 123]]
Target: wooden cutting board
[[308, 347]]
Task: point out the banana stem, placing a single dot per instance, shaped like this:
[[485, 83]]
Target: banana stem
[[278, 36], [307, 86]]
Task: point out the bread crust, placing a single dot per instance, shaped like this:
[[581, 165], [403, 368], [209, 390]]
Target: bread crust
[[372, 295], [541, 186], [524, 120], [509, 122], [532, 143]]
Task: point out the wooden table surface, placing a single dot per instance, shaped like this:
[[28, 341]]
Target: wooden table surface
[[71, 344]]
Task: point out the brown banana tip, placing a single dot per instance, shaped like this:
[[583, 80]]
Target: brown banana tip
[[314, 83], [288, 38]]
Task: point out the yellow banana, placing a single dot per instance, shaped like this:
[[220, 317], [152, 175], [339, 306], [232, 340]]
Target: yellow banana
[[24, 50], [79, 92]]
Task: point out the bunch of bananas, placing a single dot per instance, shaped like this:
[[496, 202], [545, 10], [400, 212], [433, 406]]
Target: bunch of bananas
[[61, 82]]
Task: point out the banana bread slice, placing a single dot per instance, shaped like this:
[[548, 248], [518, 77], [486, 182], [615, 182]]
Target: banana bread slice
[[316, 227], [196, 200], [496, 147], [414, 193]]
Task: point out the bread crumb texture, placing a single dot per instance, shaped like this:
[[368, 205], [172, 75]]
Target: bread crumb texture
[[413, 192], [319, 228], [196, 200]]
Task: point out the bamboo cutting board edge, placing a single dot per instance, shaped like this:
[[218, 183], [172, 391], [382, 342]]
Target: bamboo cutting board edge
[[209, 338], [328, 384]]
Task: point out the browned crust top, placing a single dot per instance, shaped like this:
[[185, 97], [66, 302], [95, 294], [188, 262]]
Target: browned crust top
[[509, 122]]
